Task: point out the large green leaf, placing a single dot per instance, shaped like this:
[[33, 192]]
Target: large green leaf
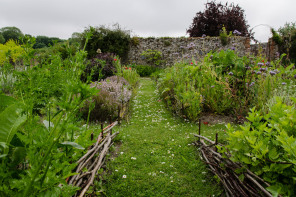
[[73, 144], [18, 155], [48, 125], [10, 120], [5, 101], [274, 190]]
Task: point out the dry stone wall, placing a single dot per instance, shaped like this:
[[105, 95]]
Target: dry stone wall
[[180, 49]]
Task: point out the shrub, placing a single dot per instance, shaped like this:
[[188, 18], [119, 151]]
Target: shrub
[[224, 36], [108, 40], [65, 49], [135, 41], [114, 92], [285, 38], [211, 21], [144, 70], [44, 41], [118, 79], [266, 145], [167, 43], [2, 39], [100, 67], [10, 52], [152, 57], [11, 33]]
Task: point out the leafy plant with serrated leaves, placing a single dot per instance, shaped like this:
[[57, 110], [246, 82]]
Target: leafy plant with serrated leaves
[[267, 145]]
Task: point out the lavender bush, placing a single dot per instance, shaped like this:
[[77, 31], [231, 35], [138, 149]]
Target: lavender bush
[[114, 93]]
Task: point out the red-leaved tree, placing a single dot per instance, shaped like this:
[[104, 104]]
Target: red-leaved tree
[[211, 21]]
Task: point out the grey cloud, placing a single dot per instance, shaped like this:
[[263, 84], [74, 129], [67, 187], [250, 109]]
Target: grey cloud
[[61, 18]]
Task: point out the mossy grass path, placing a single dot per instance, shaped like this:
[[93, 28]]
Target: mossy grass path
[[156, 156]]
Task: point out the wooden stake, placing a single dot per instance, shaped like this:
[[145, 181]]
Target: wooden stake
[[199, 123], [216, 142], [118, 115], [110, 122], [102, 128]]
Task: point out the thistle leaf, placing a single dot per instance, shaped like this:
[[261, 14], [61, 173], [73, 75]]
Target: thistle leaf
[[10, 120], [73, 144]]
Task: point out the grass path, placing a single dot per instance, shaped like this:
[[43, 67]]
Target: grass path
[[156, 156]]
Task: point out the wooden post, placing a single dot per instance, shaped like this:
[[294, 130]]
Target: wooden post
[[110, 122], [216, 142], [102, 127], [199, 123], [118, 115]]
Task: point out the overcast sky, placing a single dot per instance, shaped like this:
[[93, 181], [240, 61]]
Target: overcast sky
[[60, 18]]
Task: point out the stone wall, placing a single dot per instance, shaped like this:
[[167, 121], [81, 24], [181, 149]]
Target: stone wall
[[177, 49]]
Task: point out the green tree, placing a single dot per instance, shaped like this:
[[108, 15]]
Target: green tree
[[75, 38], [285, 38], [2, 39], [44, 41], [11, 33], [108, 40]]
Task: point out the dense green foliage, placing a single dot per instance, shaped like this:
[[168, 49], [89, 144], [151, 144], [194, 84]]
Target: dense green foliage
[[40, 122], [285, 38], [44, 41], [152, 57], [223, 83], [11, 33], [10, 52], [267, 146], [144, 70], [65, 49], [2, 39], [215, 16], [224, 36], [108, 40], [100, 67]]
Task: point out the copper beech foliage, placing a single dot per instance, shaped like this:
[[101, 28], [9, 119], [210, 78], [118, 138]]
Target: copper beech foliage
[[215, 16]]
